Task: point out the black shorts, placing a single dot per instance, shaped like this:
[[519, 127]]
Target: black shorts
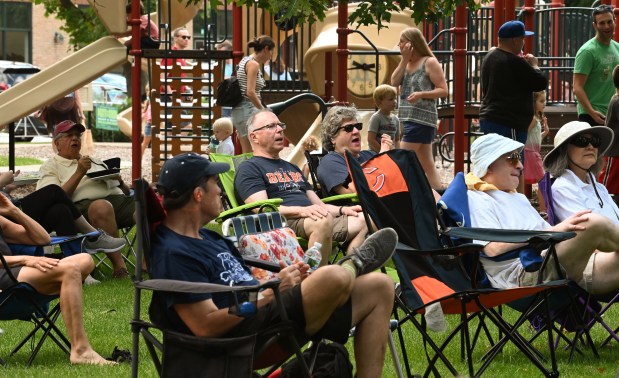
[[5, 280], [337, 327]]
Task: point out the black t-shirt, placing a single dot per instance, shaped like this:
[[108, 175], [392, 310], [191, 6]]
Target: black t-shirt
[[278, 177], [507, 86]]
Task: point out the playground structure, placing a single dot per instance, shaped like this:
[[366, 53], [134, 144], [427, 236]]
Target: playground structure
[[343, 69]]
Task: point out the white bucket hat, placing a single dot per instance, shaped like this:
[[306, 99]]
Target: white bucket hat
[[486, 149], [576, 128]]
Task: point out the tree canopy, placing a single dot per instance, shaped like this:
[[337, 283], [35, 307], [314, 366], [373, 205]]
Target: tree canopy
[[83, 26]]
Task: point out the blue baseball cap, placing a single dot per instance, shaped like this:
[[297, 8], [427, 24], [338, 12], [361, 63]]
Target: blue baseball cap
[[183, 171], [513, 29]]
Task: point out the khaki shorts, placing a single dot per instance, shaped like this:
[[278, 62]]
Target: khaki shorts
[[586, 282], [340, 228], [124, 207], [550, 273]]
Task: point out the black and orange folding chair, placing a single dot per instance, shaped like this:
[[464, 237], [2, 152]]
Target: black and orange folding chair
[[394, 192]]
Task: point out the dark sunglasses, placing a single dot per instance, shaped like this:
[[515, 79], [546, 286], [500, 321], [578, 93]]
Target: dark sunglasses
[[185, 36], [604, 8], [348, 128], [513, 158], [583, 141]]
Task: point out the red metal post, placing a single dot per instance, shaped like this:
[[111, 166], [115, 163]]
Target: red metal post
[[510, 10], [328, 76], [499, 19], [529, 23], [237, 55], [616, 13], [459, 86], [136, 93], [342, 50]]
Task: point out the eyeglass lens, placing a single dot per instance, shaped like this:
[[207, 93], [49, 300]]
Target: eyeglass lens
[[583, 141], [513, 159]]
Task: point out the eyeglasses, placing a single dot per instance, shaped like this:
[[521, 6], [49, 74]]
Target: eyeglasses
[[583, 141], [513, 158], [271, 126], [187, 37], [348, 128]]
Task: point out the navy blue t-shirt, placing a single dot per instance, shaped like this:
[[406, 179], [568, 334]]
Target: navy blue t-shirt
[[333, 170], [278, 177], [211, 259]]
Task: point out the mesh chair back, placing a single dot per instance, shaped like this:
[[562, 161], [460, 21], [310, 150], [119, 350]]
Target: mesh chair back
[[227, 178]]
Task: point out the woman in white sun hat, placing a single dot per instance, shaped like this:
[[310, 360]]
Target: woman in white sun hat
[[494, 203], [575, 162]]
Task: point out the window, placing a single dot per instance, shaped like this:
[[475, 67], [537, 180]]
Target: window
[[16, 31]]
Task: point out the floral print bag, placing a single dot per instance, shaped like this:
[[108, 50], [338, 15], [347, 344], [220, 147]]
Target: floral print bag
[[273, 245]]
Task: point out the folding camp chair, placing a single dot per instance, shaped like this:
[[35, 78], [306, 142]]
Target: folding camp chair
[[187, 353], [593, 310], [22, 302], [394, 192]]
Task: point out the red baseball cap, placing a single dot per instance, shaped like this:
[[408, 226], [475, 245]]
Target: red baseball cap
[[66, 126]]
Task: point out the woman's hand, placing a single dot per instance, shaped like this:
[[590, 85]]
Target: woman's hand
[[414, 97], [406, 51], [573, 223]]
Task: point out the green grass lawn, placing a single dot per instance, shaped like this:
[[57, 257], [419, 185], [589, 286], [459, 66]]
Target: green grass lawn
[[108, 309], [19, 161]]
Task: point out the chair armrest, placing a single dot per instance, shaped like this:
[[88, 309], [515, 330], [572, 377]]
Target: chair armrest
[[467, 248], [271, 204], [176, 286], [342, 198], [262, 264], [507, 236]]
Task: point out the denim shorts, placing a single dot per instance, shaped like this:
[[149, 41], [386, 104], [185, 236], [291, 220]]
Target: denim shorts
[[418, 133], [241, 114], [148, 129]]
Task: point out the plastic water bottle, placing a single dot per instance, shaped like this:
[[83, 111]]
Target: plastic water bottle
[[213, 145], [312, 256]]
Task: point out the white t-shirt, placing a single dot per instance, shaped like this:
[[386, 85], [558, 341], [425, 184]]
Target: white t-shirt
[[225, 147], [502, 210], [570, 195]]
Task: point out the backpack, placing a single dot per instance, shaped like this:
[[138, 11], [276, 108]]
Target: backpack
[[332, 361], [229, 92]]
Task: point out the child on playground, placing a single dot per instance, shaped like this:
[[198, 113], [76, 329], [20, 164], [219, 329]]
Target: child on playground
[[538, 129], [222, 131], [147, 120], [383, 122]]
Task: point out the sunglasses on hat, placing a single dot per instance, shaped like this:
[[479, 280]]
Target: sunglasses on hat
[[583, 141]]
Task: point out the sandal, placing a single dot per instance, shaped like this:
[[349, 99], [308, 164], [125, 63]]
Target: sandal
[[121, 273]]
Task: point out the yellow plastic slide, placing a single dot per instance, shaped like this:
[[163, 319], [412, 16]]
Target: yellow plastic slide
[[63, 77]]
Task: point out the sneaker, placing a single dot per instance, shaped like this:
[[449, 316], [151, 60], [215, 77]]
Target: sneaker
[[103, 243], [91, 281], [375, 251], [121, 273]]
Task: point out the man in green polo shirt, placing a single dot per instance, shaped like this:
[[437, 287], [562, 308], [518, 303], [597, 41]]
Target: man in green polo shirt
[[593, 68]]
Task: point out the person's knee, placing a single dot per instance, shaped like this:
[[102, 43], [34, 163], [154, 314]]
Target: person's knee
[[320, 226], [100, 208], [382, 285], [337, 281], [74, 267], [598, 224]]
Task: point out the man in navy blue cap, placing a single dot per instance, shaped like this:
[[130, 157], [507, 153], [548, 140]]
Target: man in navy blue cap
[[593, 68], [508, 81], [325, 303]]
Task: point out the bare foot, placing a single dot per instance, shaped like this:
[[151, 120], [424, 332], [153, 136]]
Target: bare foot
[[90, 357]]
